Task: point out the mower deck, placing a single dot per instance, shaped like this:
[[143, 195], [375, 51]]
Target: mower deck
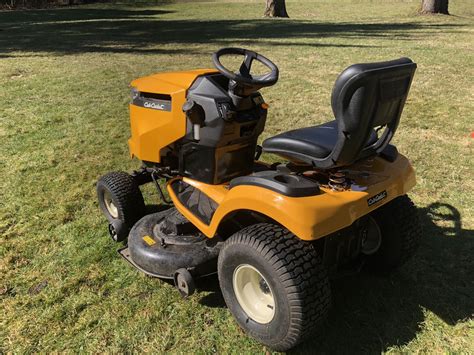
[[125, 253], [161, 243]]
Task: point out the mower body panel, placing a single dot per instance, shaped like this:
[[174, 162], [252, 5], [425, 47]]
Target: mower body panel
[[311, 217], [156, 117]]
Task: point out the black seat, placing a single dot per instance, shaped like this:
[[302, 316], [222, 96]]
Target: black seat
[[365, 97], [310, 142]]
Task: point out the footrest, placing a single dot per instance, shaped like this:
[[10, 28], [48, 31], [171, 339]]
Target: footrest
[[285, 184]]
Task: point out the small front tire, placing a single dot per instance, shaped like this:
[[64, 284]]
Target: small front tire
[[121, 201]]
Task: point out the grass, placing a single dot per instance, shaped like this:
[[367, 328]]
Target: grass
[[64, 76]]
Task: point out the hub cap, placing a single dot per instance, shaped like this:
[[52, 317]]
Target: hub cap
[[254, 293], [110, 205], [371, 238]]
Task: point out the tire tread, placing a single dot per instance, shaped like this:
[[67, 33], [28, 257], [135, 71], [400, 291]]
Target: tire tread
[[127, 193], [300, 270], [398, 219]]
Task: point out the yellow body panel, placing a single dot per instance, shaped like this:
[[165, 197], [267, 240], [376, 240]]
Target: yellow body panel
[[153, 130], [311, 217]]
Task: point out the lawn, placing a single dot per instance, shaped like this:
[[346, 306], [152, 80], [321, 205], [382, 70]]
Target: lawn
[[64, 76]]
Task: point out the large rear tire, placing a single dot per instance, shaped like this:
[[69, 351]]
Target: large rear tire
[[400, 230], [274, 284], [121, 201]]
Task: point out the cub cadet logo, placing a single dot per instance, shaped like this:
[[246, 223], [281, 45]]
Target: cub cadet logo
[[379, 197], [154, 105]]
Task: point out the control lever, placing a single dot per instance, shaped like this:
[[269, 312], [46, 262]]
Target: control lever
[[195, 113], [226, 111]]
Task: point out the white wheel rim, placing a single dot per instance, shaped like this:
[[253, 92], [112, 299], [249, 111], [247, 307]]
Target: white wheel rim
[[253, 293], [110, 205]]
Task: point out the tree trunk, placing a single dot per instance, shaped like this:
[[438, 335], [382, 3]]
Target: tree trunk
[[275, 8], [434, 7]]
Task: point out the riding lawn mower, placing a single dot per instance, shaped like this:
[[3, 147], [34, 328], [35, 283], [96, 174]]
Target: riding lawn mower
[[275, 234]]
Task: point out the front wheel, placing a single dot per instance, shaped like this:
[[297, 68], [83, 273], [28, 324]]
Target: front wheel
[[274, 284], [121, 202]]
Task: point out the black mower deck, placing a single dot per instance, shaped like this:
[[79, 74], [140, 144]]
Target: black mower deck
[[161, 243], [125, 253]]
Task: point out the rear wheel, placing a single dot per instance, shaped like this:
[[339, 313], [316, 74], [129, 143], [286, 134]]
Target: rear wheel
[[400, 229], [274, 284], [121, 201]]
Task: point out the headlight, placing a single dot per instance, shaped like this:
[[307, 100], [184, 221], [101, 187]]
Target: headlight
[[134, 93]]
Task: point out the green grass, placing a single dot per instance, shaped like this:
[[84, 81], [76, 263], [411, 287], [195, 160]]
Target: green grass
[[64, 76]]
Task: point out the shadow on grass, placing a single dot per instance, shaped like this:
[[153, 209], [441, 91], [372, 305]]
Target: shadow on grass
[[372, 313], [81, 30]]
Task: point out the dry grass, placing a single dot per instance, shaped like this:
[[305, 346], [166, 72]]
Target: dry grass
[[64, 77]]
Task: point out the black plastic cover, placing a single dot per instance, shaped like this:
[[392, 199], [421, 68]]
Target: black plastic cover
[[390, 153], [285, 184], [196, 201], [228, 134]]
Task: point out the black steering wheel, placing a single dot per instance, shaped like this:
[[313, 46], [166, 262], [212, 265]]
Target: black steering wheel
[[243, 83]]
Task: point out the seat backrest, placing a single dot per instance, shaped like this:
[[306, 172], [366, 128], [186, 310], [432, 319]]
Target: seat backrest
[[366, 97]]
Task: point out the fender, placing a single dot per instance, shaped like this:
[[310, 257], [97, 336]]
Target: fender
[[312, 217]]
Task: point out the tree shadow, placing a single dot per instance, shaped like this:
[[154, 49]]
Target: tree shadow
[[123, 30], [372, 313]]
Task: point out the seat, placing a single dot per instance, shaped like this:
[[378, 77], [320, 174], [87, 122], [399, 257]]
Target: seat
[[309, 142], [366, 98]]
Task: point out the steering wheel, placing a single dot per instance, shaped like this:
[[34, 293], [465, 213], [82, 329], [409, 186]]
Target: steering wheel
[[243, 83]]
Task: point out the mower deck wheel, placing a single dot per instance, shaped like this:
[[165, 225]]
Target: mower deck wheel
[[274, 284], [184, 282]]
